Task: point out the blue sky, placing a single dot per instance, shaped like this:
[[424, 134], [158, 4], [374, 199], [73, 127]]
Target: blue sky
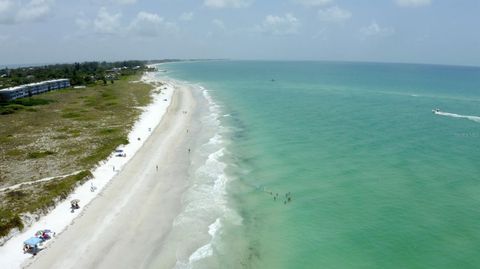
[[419, 31]]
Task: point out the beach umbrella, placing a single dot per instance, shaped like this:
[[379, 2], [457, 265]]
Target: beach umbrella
[[75, 201], [39, 232]]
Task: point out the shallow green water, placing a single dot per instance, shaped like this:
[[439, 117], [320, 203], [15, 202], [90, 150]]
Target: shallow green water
[[376, 179]]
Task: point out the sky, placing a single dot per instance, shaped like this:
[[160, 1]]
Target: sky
[[411, 31]]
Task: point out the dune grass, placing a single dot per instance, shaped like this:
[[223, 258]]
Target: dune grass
[[59, 132], [71, 130], [36, 198], [13, 106]]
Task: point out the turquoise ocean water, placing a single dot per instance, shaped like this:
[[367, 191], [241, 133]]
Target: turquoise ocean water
[[375, 179]]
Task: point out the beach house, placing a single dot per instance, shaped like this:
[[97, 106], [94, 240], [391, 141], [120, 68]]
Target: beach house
[[31, 89]]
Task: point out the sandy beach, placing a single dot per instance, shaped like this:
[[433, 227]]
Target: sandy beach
[[125, 225]]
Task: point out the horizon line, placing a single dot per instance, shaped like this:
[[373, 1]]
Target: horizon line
[[26, 65]]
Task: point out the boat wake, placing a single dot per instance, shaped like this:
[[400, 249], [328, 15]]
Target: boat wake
[[453, 115]]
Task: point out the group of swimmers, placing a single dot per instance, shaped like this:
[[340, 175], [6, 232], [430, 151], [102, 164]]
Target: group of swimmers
[[288, 197]]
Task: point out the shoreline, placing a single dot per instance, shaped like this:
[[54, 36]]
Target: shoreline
[[60, 218], [149, 218], [131, 224]]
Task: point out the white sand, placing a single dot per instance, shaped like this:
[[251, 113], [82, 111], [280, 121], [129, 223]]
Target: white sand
[[134, 176], [125, 226]]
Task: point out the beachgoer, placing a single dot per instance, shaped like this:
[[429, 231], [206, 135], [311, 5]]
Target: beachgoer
[[156, 167]]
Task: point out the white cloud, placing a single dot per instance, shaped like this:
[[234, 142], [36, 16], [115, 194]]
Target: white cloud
[[334, 14], [186, 16], [34, 10], [219, 24], [227, 3], [124, 2], [313, 3], [278, 25], [6, 11], [5, 5], [376, 30], [150, 24], [144, 24], [22, 12], [106, 23], [413, 3]]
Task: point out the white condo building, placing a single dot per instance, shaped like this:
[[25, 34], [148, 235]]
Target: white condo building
[[33, 89]]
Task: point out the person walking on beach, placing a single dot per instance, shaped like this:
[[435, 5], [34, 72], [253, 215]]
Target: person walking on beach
[[156, 167]]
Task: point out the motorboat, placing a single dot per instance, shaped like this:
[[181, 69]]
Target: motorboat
[[436, 110]]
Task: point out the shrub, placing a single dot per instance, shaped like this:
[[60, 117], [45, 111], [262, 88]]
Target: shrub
[[40, 154], [9, 221], [32, 101]]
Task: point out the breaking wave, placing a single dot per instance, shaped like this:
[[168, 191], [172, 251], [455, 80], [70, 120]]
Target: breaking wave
[[205, 203]]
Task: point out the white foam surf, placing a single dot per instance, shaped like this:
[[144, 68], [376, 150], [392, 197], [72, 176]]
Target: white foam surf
[[205, 202], [206, 250]]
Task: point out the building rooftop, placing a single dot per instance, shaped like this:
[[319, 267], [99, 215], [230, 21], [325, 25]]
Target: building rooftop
[[10, 89]]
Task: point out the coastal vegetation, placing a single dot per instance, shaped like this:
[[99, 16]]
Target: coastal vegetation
[[10, 107], [86, 73], [57, 133], [79, 73], [35, 198]]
